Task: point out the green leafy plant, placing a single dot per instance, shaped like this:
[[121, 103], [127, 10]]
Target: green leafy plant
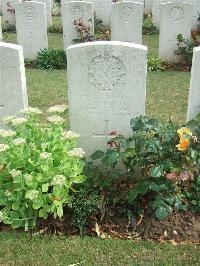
[[185, 48], [55, 29], [148, 28], [6, 27], [51, 59], [154, 64], [39, 165], [169, 158]]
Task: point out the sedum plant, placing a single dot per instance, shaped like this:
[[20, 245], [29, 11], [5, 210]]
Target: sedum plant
[[39, 164]]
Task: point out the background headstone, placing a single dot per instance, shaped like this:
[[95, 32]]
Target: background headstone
[[194, 93], [31, 28], [148, 5], [106, 88], [13, 92], [1, 34], [175, 19], [48, 11], [157, 12], [8, 11], [74, 11], [126, 22], [102, 10]]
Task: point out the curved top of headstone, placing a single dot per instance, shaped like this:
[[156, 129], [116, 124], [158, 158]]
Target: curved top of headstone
[[108, 43], [11, 46], [26, 3]]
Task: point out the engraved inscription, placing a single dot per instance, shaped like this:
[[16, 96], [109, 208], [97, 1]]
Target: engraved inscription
[[107, 73], [77, 12], [30, 14], [125, 13], [176, 13]]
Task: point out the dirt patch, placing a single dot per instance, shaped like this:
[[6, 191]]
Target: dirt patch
[[179, 226]]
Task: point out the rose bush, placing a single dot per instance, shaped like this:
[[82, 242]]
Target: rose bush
[[169, 158]]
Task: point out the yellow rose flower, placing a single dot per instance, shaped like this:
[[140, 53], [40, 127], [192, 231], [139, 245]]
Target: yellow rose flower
[[184, 130], [183, 144]]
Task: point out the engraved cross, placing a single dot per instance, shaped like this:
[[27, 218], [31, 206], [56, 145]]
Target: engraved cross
[[105, 134]]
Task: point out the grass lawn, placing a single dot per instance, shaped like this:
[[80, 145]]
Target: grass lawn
[[20, 249]]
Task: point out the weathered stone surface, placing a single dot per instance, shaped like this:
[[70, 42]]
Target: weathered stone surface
[[13, 92], [175, 19], [31, 27], [194, 93], [48, 10], [8, 10], [106, 88], [157, 13], [73, 12], [126, 22], [1, 34], [148, 5]]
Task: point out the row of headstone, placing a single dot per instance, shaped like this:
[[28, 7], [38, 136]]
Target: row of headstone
[[157, 16], [126, 20], [102, 8], [8, 10], [113, 87]]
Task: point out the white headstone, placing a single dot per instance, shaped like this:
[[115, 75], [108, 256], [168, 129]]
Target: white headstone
[[8, 11], [48, 10], [1, 34], [148, 5], [194, 93], [106, 88], [102, 10], [31, 28], [157, 15], [126, 22], [156, 11], [13, 92], [175, 19], [72, 12]]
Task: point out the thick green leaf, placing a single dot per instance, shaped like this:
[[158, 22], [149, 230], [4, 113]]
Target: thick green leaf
[[97, 155], [45, 187], [156, 171], [43, 213], [136, 123], [161, 213], [60, 210], [79, 179]]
